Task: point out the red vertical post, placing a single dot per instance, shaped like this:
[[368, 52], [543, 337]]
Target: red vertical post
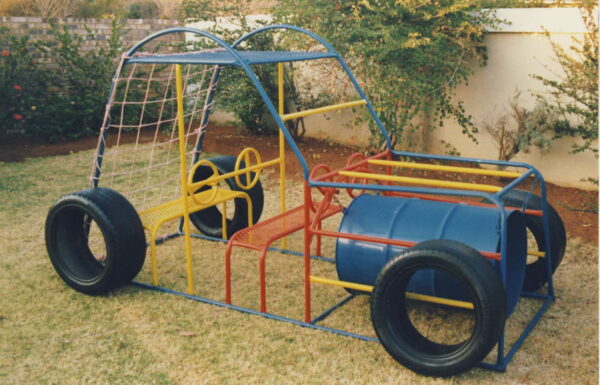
[[307, 241], [228, 273], [388, 169], [318, 247], [263, 281]]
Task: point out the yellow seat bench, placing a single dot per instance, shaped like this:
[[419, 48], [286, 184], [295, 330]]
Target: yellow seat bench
[[154, 217]]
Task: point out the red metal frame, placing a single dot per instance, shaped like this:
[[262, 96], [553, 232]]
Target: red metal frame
[[314, 212]]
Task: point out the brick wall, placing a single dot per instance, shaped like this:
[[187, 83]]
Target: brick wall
[[39, 28]]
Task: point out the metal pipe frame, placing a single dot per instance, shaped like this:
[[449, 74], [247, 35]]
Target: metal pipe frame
[[495, 199], [503, 358]]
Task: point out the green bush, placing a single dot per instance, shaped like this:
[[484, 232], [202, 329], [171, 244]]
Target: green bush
[[143, 10], [574, 95], [411, 55], [54, 89], [18, 86]]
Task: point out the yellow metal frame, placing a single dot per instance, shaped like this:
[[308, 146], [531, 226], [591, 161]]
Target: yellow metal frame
[[221, 177], [183, 169], [422, 181], [155, 217], [313, 111], [536, 253], [295, 115], [245, 156], [281, 105], [415, 296], [192, 201], [437, 167]]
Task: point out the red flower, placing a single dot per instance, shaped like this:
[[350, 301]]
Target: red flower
[[5, 52], [17, 87], [17, 116]]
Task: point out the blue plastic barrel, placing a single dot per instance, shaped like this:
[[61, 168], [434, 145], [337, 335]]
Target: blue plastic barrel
[[417, 220]]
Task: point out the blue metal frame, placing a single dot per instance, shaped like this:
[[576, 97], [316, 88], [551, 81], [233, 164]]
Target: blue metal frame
[[312, 325], [502, 360], [496, 198]]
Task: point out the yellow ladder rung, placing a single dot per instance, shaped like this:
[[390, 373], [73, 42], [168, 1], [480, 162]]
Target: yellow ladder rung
[[437, 167], [313, 111], [348, 285], [536, 253], [423, 181], [415, 296], [440, 300]]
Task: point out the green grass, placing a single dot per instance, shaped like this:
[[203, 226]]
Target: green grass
[[50, 334]]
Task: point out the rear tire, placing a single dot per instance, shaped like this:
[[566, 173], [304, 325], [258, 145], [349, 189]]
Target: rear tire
[[209, 220], [402, 339], [67, 231], [536, 274]]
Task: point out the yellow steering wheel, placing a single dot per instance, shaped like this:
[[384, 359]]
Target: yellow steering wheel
[[208, 181], [245, 156]]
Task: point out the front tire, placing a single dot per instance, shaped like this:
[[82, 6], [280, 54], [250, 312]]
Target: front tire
[[401, 338], [121, 236]]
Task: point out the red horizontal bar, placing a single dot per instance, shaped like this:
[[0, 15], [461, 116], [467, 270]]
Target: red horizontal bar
[[394, 242]]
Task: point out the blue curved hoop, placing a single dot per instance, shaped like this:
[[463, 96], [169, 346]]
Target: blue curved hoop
[[340, 60], [195, 31], [262, 92], [288, 27], [249, 72]]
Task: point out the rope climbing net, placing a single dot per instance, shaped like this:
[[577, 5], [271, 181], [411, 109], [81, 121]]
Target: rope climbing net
[[138, 153]]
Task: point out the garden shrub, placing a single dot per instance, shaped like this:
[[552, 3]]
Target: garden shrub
[[54, 89], [19, 85], [523, 129], [411, 55], [574, 95], [143, 10]]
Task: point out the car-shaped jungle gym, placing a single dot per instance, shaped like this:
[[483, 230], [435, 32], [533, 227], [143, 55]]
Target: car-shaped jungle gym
[[404, 240]]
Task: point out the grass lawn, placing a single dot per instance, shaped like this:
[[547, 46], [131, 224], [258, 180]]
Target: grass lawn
[[50, 334]]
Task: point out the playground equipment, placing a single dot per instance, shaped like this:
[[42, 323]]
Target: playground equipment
[[404, 239]]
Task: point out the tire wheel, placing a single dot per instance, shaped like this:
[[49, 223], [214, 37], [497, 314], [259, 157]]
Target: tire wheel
[[209, 220], [401, 338], [119, 233], [535, 273]]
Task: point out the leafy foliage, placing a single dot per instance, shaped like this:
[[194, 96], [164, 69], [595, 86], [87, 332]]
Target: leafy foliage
[[574, 94], [410, 54], [538, 127], [143, 10], [529, 3], [54, 89], [16, 64]]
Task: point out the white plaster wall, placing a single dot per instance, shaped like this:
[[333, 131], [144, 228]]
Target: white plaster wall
[[515, 54]]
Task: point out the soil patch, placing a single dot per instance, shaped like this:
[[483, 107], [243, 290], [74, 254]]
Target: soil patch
[[578, 208]]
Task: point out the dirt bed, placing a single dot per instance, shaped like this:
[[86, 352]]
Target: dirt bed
[[577, 208]]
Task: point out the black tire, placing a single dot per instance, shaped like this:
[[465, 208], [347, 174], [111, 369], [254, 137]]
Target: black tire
[[401, 338], [67, 229], [209, 220], [536, 274]]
